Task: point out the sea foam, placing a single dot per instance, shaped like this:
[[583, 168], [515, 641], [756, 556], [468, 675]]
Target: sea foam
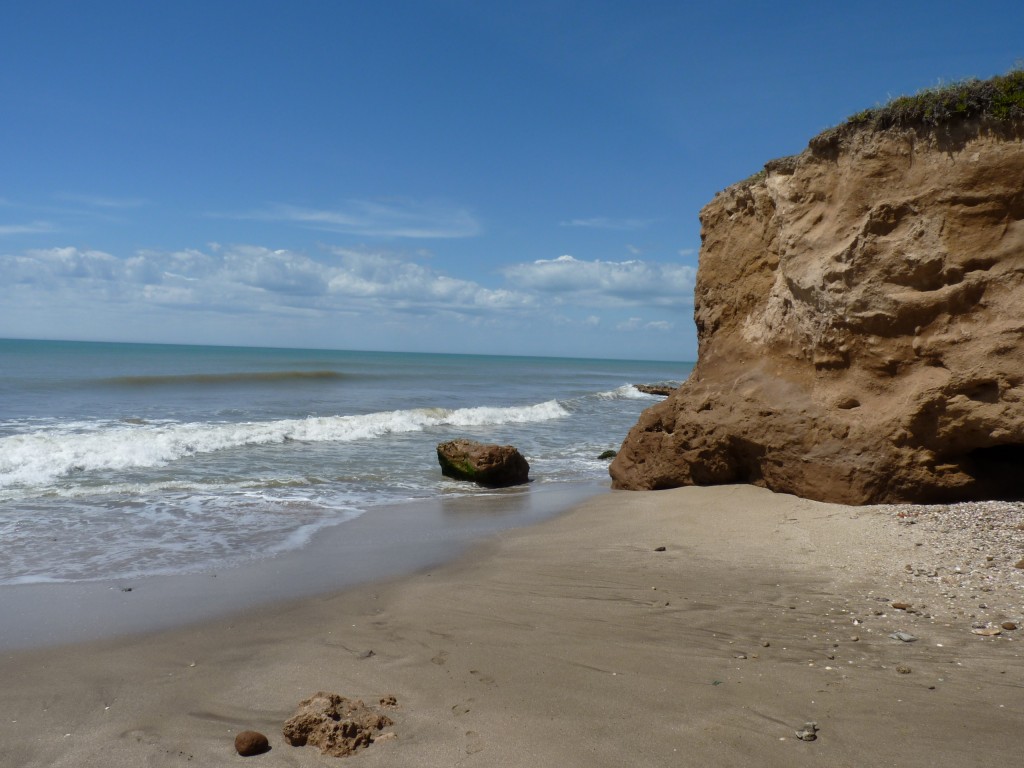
[[41, 457]]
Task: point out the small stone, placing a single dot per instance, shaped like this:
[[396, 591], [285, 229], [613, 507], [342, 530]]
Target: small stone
[[903, 669], [249, 743], [808, 733], [988, 631], [854, 638], [1008, 625], [904, 637], [366, 654], [659, 549], [765, 644], [740, 655], [901, 606], [1019, 564]]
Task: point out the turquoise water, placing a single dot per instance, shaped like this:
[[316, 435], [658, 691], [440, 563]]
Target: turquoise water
[[126, 460]]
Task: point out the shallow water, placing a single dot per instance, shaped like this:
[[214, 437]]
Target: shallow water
[[121, 461]]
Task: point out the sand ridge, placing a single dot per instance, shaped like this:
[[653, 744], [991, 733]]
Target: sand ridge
[[574, 642]]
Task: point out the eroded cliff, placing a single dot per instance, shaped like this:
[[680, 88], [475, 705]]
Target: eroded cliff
[[860, 319]]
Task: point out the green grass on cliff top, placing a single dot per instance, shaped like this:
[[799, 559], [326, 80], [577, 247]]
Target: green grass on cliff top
[[1000, 98]]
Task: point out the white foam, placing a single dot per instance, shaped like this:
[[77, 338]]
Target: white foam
[[39, 458], [625, 392]]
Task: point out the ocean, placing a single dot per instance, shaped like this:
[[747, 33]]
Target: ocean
[[125, 461]]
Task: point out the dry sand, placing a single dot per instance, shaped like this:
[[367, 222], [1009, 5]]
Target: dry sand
[[576, 643]]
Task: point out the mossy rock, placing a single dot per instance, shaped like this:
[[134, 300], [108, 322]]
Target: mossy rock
[[494, 466]]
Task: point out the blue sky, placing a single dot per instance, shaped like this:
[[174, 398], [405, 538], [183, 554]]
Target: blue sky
[[445, 176]]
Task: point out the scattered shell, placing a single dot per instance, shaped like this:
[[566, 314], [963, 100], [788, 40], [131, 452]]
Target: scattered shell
[[905, 637], [987, 631], [808, 733]]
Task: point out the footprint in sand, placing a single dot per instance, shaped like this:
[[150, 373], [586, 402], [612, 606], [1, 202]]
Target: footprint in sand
[[475, 744], [486, 679], [441, 658], [462, 708]]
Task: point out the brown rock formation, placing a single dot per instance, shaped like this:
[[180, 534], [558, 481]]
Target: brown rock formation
[[661, 390], [491, 465], [249, 743], [860, 317], [338, 726]]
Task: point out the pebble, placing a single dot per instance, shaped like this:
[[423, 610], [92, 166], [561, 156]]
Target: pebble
[[903, 669], [808, 733], [1008, 625], [987, 631], [905, 637], [659, 549], [901, 606], [249, 743]]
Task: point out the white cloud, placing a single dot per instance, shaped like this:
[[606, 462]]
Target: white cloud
[[368, 218], [605, 222], [380, 276], [34, 228], [638, 324], [604, 283], [338, 297], [247, 278]]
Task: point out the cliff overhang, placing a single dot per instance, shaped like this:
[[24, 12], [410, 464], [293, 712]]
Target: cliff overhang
[[859, 316]]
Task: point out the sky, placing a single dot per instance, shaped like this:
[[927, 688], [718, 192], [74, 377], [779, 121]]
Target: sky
[[458, 176]]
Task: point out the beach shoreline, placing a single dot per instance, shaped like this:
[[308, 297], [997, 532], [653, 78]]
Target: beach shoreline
[[382, 543], [575, 641]]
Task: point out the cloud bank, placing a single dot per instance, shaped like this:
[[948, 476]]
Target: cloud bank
[[347, 296], [600, 283]]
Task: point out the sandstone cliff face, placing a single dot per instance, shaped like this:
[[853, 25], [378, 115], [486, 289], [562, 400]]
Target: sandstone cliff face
[[860, 317]]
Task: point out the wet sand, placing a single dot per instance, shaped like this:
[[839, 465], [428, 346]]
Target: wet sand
[[574, 642]]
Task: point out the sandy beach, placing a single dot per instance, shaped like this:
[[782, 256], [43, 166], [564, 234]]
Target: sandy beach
[[578, 642]]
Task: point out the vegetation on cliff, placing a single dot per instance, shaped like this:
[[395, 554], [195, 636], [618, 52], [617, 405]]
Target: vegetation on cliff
[[1000, 98], [997, 102]]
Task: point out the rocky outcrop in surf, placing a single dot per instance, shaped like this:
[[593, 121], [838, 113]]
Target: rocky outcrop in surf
[[495, 466], [858, 309]]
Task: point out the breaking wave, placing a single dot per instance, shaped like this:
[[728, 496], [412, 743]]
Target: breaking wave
[[41, 457]]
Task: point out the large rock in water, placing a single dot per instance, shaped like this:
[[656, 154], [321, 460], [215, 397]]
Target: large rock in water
[[491, 465], [860, 317]]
